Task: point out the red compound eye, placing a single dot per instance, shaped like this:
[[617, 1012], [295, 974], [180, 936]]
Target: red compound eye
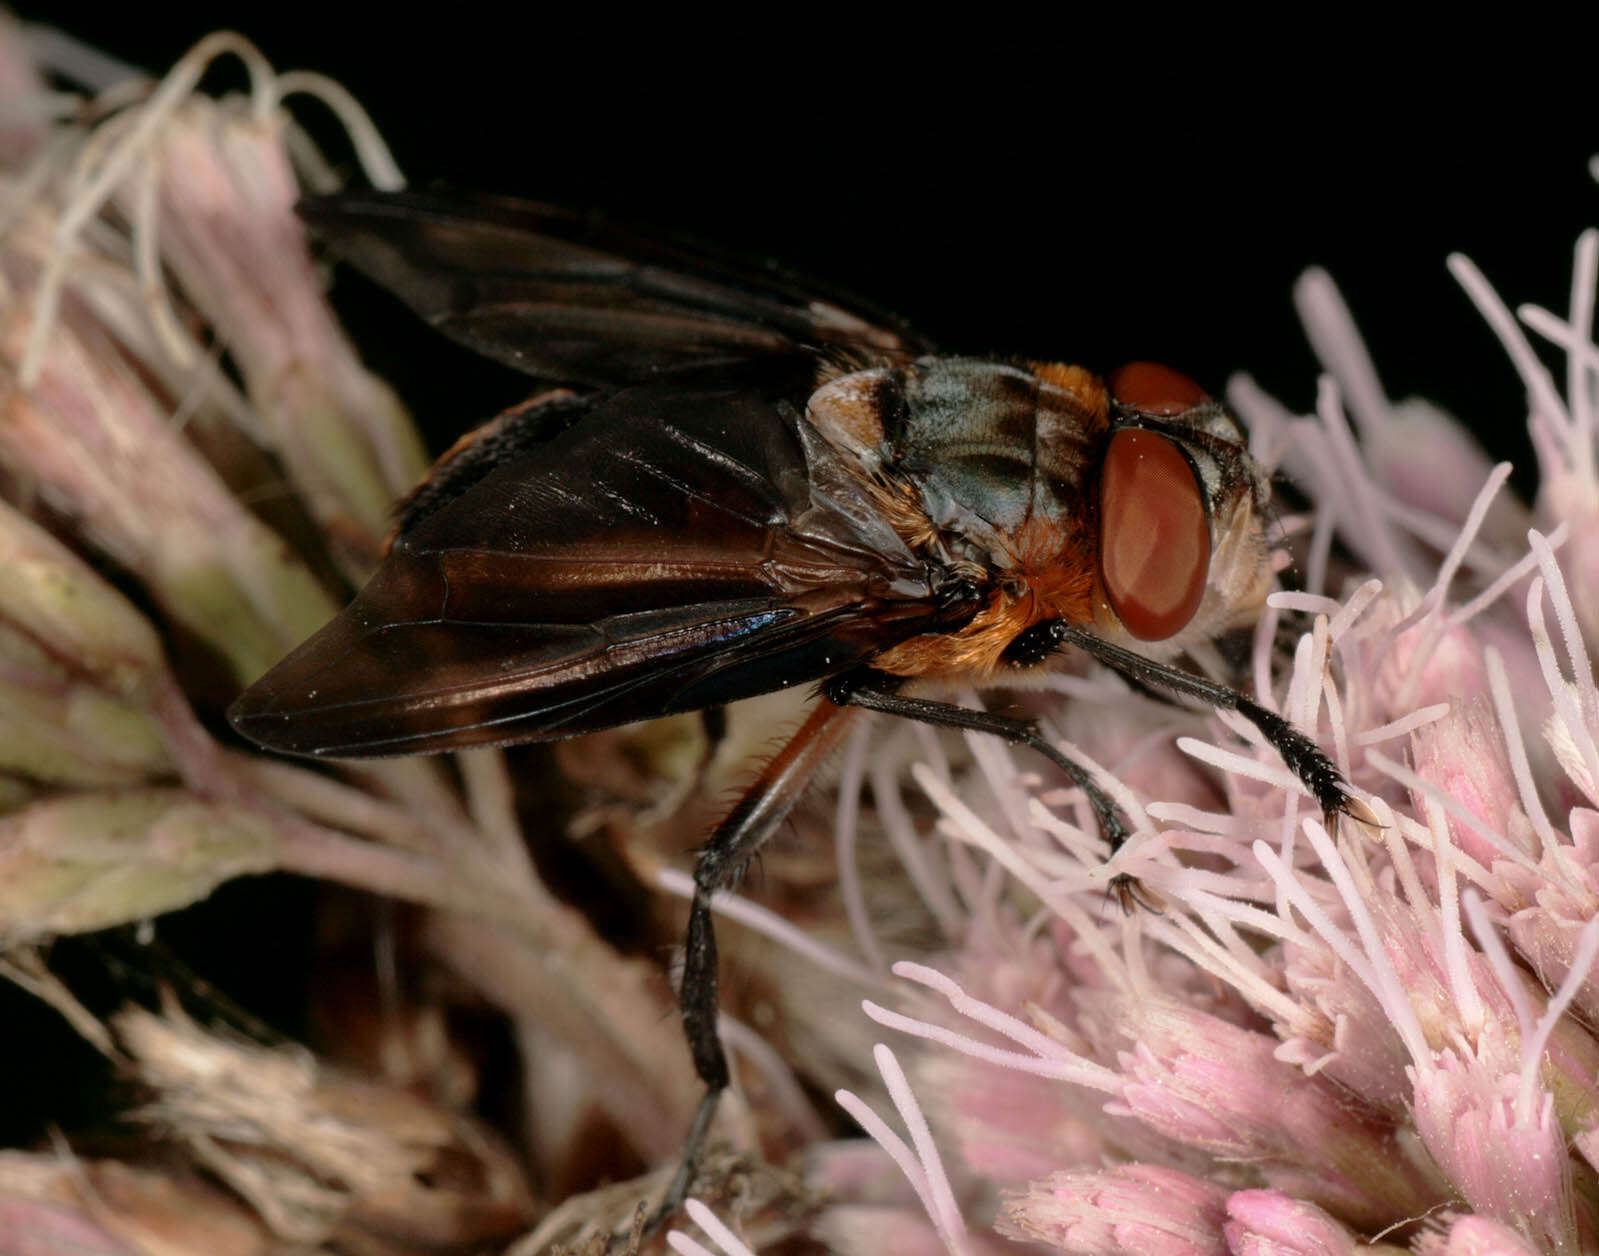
[[1154, 539], [1154, 389]]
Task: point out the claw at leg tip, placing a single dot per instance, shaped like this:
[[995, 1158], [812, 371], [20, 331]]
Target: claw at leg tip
[[1358, 810], [1131, 893]]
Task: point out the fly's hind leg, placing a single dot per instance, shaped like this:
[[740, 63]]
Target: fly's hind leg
[[722, 862]]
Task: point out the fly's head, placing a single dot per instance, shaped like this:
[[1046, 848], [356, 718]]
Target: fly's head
[[1180, 515]]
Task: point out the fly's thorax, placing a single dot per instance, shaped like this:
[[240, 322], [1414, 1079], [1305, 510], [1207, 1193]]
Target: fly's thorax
[[979, 462]]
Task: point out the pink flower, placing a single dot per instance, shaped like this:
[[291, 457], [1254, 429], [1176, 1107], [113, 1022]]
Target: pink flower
[[1268, 1223], [1136, 1210]]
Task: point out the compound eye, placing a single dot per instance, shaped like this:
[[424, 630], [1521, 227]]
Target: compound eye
[[1151, 388], [1154, 538]]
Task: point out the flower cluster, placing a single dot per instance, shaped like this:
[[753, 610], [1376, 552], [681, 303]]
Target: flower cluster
[[176, 398]]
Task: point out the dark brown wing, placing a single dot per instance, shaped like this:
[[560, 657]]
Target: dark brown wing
[[687, 542], [575, 298]]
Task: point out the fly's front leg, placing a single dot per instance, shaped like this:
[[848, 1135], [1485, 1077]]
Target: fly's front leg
[[1305, 759], [764, 806]]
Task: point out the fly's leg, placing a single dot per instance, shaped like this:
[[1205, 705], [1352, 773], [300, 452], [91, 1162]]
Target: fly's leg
[[713, 720], [1303, 756], [877, 691], [713, 725], [722, 862], [1305, 759]]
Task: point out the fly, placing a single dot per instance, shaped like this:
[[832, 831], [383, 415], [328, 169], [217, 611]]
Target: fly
[[745, 483]]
